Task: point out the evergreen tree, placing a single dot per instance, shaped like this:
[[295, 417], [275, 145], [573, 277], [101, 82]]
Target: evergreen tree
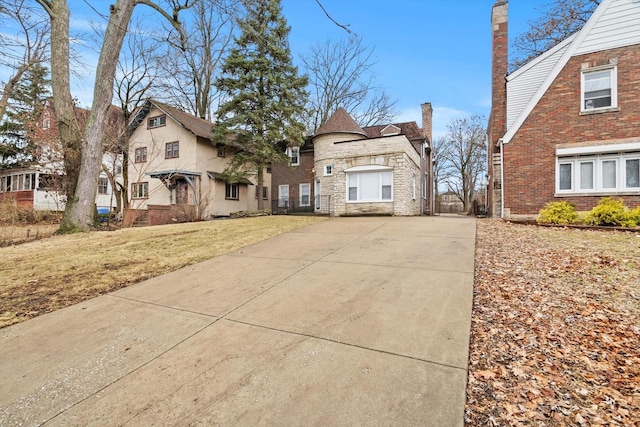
[[263, 94], [22, 112]]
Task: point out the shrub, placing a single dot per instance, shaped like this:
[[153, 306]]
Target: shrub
[[561, 213], [612, 212], [634, 215]]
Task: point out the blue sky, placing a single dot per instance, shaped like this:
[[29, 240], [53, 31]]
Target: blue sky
[[436, 51]]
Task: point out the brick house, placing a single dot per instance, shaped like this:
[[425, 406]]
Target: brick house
[[565, 125], [348, 170], [39, 183], [175, 172]]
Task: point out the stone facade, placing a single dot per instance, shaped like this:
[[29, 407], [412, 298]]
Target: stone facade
[[343, 153]]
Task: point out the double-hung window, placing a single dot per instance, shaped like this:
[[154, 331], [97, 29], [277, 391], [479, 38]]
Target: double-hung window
[[369, 184], [599, 89], [305, 194], [103, 186], [294, 156], [141, 155], [172, 150]]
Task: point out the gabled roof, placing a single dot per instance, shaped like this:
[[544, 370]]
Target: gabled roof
[[340, 122], [195, 125], [614, 23]]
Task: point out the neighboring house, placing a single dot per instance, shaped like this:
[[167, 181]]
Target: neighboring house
[[348, 170], [449, 202], [175, 172], [565, 126], [39, 184]]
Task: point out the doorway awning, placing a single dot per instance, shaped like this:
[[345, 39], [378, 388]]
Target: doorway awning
[[173, 174]]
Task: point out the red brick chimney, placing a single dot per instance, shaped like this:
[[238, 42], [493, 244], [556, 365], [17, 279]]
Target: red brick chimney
[[498, 116], [427, 120]]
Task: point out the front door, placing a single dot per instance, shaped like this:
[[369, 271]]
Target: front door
[[182, 192]]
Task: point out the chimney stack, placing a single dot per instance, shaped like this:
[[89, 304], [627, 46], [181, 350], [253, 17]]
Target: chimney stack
[[427, 121], [499, 64]]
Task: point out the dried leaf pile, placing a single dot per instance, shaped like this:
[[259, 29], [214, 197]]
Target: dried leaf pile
[[555, 334]]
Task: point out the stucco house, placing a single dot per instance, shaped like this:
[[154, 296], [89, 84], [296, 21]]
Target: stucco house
[[39, 183], [345, 169], [175, 172], [565, 125]]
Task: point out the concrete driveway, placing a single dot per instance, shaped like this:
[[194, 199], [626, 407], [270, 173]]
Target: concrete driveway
[[351, 321]]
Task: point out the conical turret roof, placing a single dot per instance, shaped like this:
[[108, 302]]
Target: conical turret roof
[[340, 122]]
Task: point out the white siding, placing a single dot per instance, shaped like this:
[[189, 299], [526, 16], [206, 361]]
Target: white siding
[[618, 26], [523, 83]]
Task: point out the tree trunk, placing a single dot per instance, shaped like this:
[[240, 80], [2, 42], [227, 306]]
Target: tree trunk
[[80, 216], [70, 134], [260, 186]]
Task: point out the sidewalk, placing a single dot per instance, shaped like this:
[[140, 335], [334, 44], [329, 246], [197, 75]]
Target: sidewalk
[[351, 321]]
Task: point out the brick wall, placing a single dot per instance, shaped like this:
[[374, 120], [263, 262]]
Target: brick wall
[[497, 119], [293, 176], [529, 158]]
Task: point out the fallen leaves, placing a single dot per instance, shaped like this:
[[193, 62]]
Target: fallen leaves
[[556, 327]]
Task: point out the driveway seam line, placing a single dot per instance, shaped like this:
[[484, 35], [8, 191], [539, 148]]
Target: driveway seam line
[[153, 359], [301, 334]]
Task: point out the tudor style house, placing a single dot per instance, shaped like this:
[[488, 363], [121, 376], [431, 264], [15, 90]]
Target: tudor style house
[[345, 169], [175, 172], [39, 183], [565, 125]]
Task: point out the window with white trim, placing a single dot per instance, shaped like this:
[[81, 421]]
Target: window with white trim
[[598, 173], [370, 186], [328, 170], [294, 155], [599, 89], [103, 185], [305, 194], [283, 196], [232, 191]]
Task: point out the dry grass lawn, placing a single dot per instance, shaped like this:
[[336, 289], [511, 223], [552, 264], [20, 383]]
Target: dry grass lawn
[[44, 275]]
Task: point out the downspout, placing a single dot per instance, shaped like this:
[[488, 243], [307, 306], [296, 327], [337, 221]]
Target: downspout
[[501, 142]]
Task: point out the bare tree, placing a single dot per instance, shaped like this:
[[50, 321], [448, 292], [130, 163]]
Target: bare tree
[[341, 75], [136, 75], [24, 49], [440, 151], [193, 62], [557, 21], [80, 209], [465, 156]]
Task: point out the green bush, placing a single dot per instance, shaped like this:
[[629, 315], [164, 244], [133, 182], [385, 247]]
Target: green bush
[[561, 213], [612, 212]]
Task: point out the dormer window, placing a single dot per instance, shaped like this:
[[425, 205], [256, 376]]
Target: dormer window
[[157, 121], [599, 89]]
